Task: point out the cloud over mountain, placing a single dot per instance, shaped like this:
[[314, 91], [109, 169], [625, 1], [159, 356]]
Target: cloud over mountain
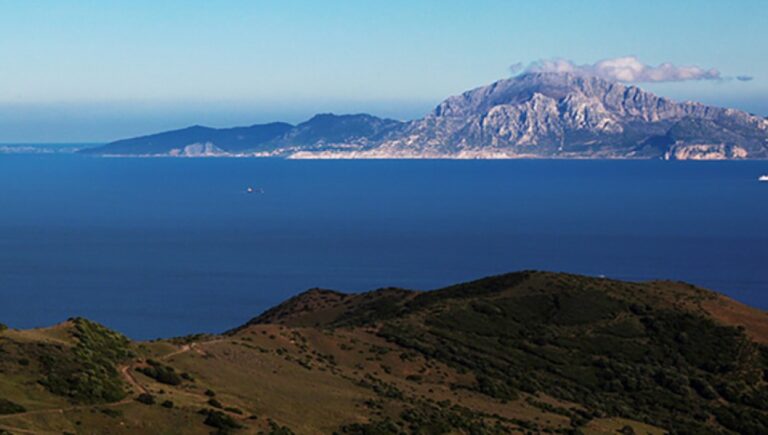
[[625, 69]]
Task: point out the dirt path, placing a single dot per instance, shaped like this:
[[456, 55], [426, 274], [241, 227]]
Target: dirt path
[[16, 430], [127, 370], [183, 349], [127, 373], [189, 347], [130, 379], [65, 409]]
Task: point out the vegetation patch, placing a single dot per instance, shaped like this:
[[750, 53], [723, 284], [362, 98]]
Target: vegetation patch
[[667, 367], [8, 407], [220, 420], [429, 418], [146, 399], [277, 429], [114, 413], [87, 373], [161, 373]]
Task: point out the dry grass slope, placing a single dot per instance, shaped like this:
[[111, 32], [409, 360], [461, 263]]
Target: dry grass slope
[[518, 353]]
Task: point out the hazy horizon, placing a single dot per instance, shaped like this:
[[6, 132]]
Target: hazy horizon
[[100, 72], [102, 123]]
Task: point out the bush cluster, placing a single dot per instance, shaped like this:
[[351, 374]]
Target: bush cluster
[[88, 372], [161, 373], [615, 356], [8, 407]]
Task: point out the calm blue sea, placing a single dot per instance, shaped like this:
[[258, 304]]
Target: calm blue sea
[[163, 247]]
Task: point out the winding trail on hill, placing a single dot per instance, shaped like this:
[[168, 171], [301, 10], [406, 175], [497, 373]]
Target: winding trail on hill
[[190, 347], [127, 370], [127, 373], [183, 349]]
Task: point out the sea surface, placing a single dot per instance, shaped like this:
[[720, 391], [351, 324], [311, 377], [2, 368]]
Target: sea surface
[[165, 247]]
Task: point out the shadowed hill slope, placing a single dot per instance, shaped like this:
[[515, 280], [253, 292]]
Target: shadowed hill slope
[[668, 353]]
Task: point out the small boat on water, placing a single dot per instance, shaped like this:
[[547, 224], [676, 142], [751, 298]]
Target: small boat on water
[[251, 189], [763, 178]]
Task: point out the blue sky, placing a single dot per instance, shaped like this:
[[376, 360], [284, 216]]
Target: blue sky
[[97, 71]]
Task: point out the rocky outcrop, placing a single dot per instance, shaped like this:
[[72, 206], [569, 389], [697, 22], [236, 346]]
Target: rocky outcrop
[[572, 116]]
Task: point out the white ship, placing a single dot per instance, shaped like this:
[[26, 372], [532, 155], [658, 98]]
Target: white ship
[[763, 178]]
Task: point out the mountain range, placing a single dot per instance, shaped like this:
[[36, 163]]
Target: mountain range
[[525, 352], [533, 115]]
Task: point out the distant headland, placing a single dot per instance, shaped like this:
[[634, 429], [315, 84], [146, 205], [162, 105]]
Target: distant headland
[[533, 115]]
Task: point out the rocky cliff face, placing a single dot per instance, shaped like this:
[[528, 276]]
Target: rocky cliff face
[[537, 115], [566, 115]]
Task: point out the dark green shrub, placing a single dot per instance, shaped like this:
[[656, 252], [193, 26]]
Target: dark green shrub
[[221, 421], [703, 388], [413, 378], [146, 399], [161, 373], [8, 407], [276, 429], [114, 413], [380, 427]]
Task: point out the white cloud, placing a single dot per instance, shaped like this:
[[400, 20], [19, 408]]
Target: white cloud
[[627, 69]]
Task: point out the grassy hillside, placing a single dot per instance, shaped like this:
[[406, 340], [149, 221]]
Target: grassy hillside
[[520, 353]]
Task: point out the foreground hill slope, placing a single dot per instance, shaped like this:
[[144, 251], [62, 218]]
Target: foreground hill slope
[[522, 352], [533, 115]]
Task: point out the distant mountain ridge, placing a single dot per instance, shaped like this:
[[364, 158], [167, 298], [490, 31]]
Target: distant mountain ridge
[[535, 115], [276, 138]]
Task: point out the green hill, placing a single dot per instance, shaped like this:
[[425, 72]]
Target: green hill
[[525, 352]]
